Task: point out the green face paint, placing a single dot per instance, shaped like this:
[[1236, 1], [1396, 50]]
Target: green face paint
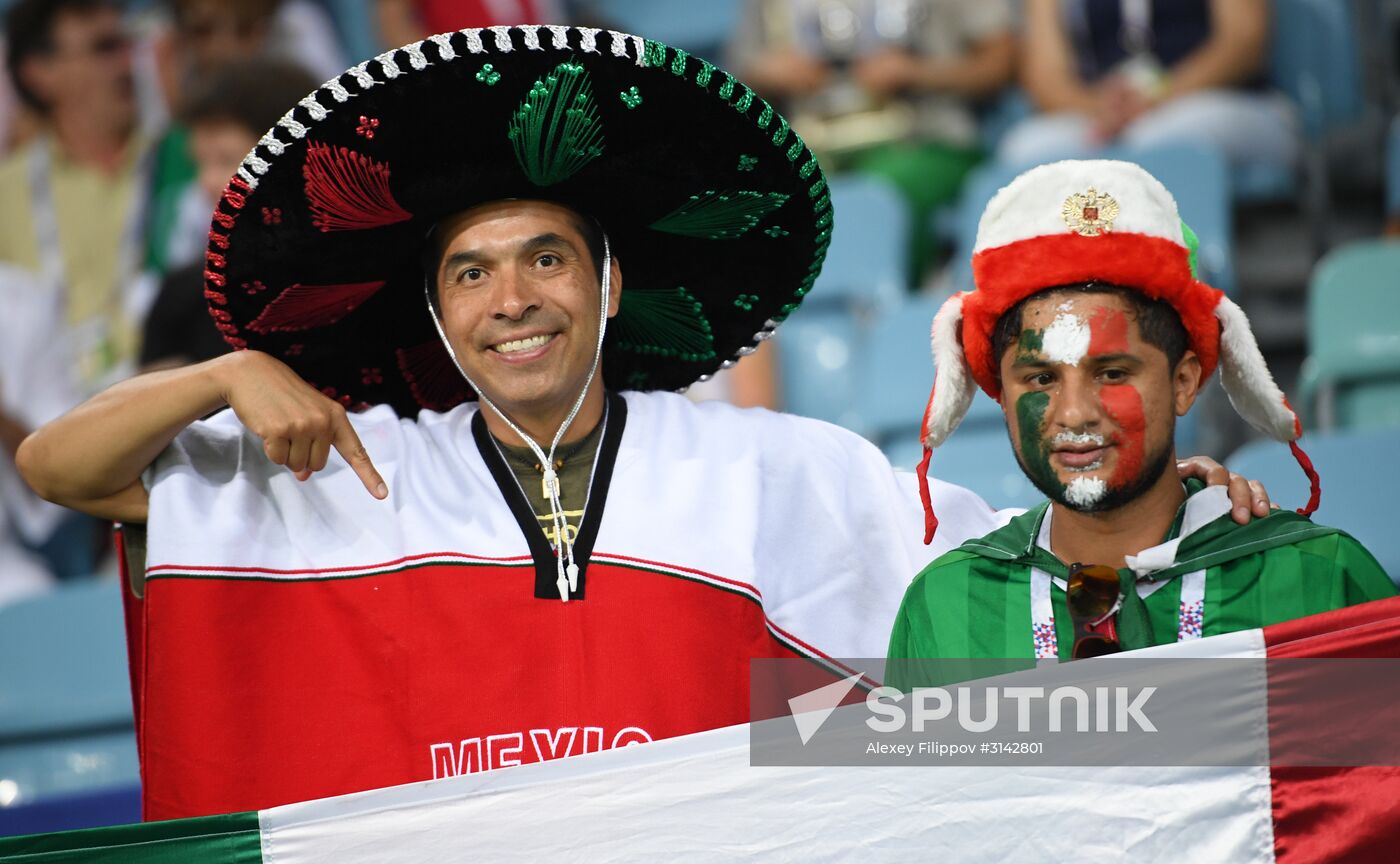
[[1028, 347], [1034, 455]]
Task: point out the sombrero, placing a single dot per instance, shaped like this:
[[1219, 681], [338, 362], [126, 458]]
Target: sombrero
[[717, 209]]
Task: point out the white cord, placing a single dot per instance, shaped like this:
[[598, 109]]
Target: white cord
[[564, 547]]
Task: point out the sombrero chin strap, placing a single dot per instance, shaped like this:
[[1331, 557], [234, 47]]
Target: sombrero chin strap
[[564, 546]]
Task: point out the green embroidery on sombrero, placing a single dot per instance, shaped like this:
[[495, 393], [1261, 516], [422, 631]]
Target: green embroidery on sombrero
[[817, 187], [746, 301], [664, 322], [776, 231], [653, 53], [720, 215], [631, 97], [488, 75], [707, 69], [726, 90], [678, 63], [807, 168], [765, 117], [747, 162], [745, 101], [780, 135], [796, 149], [556, 130]]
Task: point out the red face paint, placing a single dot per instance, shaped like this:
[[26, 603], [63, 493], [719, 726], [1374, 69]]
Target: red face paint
[[1108, 332], [1123, 403]]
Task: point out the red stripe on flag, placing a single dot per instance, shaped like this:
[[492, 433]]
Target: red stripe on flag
[[1336, 814]]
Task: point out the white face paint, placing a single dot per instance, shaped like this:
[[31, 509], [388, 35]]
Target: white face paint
[[1066, 340], [1091, 438], [1085, 492]]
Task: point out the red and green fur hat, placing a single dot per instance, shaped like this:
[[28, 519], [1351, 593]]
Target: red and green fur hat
[[1082, 221]]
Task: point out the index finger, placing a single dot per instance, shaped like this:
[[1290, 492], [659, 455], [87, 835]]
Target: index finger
[[348, 445]]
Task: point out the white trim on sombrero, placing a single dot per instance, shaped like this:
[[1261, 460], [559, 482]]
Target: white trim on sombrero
[[1030, 206], [1246, 378]]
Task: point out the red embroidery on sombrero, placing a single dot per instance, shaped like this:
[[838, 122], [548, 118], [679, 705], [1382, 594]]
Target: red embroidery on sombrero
[[431, 377], [302, 307], [348, 191]]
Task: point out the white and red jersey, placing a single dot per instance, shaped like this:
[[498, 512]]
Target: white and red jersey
[[299, 640]]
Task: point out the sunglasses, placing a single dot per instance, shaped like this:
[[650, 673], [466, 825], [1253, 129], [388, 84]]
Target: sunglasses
[[1094, 598]]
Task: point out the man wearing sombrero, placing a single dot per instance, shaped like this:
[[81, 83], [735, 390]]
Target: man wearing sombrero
[[565, 570], [1090, 327]]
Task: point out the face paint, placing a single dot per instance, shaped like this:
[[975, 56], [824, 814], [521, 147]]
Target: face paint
[[1028, 346], [1123, 404], [1031, 450], [1092, 438], [1108, 332], [1066, 340], [1084, 493]]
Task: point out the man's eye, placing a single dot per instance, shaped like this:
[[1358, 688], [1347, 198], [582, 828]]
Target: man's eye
[[547, 260], [1114, 375], [1041, 379], [471, 274]]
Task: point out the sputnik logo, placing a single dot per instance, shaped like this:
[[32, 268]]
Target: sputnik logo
[[811, 709]]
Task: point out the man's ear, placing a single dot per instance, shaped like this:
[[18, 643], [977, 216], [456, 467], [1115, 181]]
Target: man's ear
[[615, 289], [1186, 383]]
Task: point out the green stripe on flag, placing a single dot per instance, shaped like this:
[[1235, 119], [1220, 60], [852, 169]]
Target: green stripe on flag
[[228, 839]]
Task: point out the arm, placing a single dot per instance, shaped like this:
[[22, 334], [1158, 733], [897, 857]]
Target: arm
[[1239, 31], [1047, 62], [986, 68], [91, 458]]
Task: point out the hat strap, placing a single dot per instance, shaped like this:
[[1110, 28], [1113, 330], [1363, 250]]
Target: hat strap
[[564, 546], [1314, 482]]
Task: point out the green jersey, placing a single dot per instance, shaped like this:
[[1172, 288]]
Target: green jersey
[[1002, 595]]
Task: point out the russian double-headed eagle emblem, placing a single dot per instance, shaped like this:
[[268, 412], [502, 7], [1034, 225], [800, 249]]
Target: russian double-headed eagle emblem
[[1090, 213]]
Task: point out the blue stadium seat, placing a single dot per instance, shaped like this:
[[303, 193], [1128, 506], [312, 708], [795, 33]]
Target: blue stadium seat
[[897, 372], [1352, 375], [979, 459], [65, 699], [818, 351], [700, 28], [1196, 175], [865, 266], [1359, 476]]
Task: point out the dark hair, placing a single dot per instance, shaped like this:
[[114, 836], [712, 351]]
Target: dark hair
[[29, 27], [1157, 321], [253, 94]]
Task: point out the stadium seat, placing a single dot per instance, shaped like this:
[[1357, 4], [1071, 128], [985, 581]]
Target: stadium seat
[[1196, 175], [65, 700], [1351, 378], [700, 28], [896, 373], [1359, 475], [865, 265], [817, 364], [976, 458], [1315, 59]]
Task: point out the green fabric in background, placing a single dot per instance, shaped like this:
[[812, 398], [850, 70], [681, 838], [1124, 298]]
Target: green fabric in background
[[227, 839]]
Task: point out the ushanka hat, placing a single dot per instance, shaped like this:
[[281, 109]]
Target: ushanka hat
[[716, 208], [1092, 221]]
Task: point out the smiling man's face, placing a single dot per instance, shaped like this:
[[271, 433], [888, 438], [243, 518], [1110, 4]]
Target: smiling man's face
[[518, 289], [1090, 405]]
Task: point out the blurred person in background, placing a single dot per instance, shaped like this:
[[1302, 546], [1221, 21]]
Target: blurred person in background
[[200, 38], [1146, 72], [224, 117], [72, 201], [404, 21], [884, 88]]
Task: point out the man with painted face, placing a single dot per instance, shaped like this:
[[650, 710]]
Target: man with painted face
[[549, 560], [1089, 326]]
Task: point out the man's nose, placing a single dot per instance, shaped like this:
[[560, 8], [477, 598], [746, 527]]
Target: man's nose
[[515, 295], [1075, 404]]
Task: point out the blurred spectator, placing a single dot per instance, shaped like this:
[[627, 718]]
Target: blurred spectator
[[36, 385], [751, 383], [204, 36], [1146, 73], [883, 87], [405, 21], [225, 117], [72, 201], [1392, 179]]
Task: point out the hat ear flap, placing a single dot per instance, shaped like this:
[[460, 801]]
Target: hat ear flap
[[949, 401], [952, 382], [1247, 380]]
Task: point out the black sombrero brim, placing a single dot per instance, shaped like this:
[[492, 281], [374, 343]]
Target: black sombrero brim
[[717, 210]]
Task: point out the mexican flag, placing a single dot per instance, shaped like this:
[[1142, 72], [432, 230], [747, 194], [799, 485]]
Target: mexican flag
[[696, 797]]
